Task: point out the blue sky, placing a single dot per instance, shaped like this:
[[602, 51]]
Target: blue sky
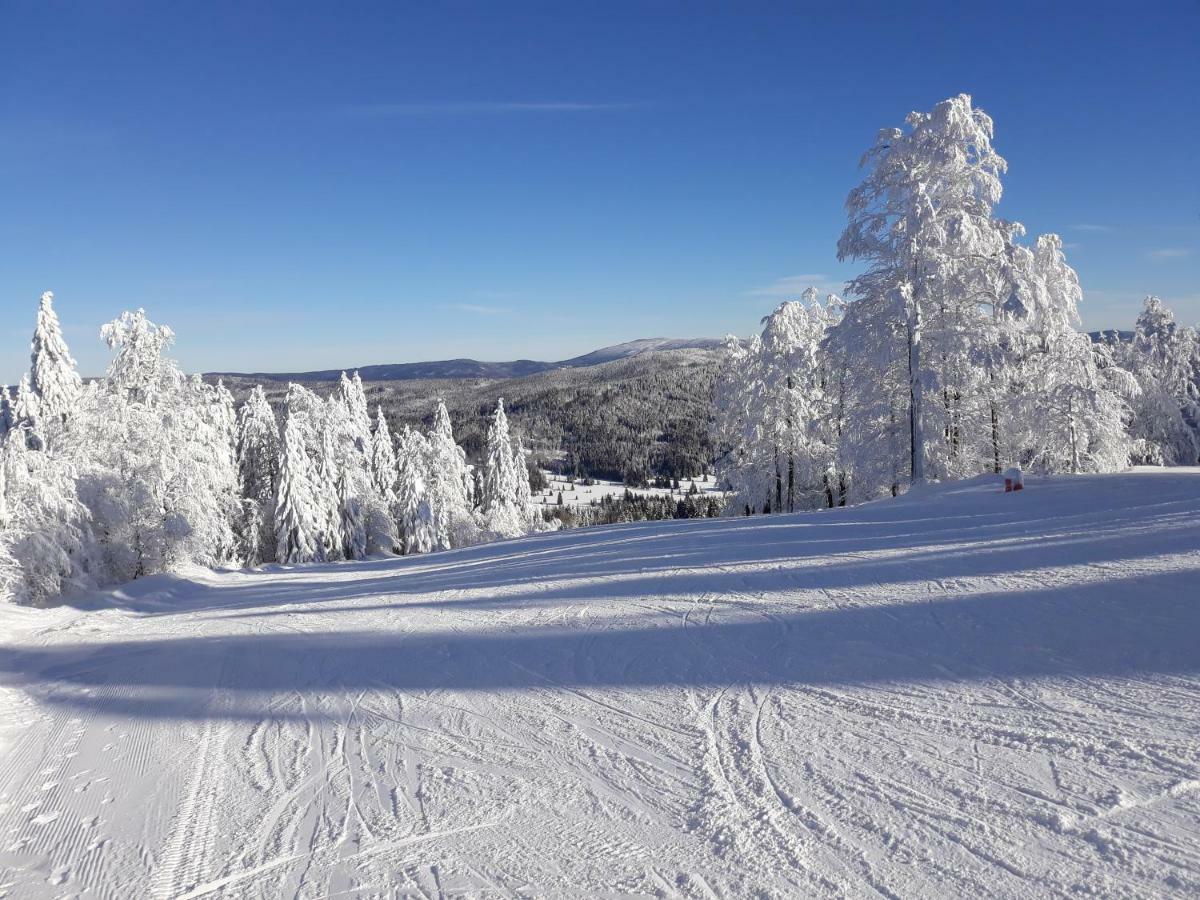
[[298, 186]]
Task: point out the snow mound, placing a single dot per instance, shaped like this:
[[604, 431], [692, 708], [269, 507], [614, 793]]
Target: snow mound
[[958, 693]]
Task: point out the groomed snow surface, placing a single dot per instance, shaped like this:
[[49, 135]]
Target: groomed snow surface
[[958, 693]]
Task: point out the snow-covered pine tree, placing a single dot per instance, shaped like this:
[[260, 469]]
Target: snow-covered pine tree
[[27, 413], [448, 484], [383, 458], [358, 418], [219, 418], [327, 471], [353, 527], [524, 495], [384, 527], [258, 453], [298, 524], [361, 509], [139, 369], [52, 376], [415, 515], [7, 416], [500, 489]]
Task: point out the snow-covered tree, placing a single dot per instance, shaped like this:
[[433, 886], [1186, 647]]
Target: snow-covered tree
[[501, 494], [357, 422], [45, 535], [447, 482], [140, 370], [258, 455], [384, 474], [154, 459], [524, 495], [1164, 415], [383, 458], [52, 376], [922, 219], [1060, 409], [417, 531], [26, 412], [775, 423], [299, 522], [350, 508], [7, 416], [363, 514]]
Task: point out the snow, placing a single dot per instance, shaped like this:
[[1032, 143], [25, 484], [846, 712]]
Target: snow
[[958, 693], [576, 493]]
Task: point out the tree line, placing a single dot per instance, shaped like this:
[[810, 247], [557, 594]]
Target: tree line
[[148, 470]]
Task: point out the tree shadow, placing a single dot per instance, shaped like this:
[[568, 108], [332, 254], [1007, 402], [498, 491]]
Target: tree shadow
[[835, 550], [1137, 626]]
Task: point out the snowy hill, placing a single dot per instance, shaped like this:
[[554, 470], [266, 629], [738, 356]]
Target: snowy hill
[[473, 368], [958, 693]]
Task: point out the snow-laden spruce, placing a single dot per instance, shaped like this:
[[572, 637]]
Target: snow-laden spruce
[[504, 508], [148, 470], [52, 374], [259, 458]]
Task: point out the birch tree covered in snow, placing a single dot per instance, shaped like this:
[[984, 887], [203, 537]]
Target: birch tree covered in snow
[[1062, 410], [923, 221], [958, 353]]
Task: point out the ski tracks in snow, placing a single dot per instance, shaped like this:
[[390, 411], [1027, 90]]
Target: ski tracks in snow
[[946, 695]]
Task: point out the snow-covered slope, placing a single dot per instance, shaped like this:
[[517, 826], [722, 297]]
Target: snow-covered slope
[[959, 693]]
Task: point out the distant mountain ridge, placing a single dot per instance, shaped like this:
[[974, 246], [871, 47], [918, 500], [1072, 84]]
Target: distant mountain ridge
[[473, 368]]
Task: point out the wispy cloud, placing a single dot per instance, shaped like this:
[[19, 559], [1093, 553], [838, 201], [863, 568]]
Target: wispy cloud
[[795, 285], [478, 309], [472, 108], [1072, 245], [1092, 227], [1169, 253]]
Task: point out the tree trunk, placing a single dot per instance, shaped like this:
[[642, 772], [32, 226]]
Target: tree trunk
[[916, 405], [995, 440], [1074, 436]]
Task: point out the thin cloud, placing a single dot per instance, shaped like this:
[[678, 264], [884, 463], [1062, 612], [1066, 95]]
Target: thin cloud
[[1169, 253], [402, 110], [1092, 227], [795, 285], [478, 309]]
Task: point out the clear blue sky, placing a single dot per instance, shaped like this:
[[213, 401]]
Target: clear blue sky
[[297, 186]]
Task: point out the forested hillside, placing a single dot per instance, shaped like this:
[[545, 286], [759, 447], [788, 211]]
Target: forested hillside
[[630, 419]]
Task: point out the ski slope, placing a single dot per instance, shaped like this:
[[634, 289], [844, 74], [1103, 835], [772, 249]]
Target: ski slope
[[957, 693]]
